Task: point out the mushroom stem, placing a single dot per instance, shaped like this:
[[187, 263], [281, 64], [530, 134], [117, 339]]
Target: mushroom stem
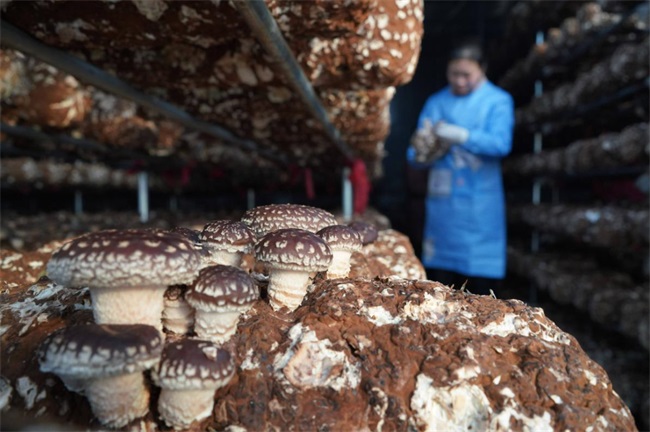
[[118, 400], [217, 327], [222, 257], [177, 316], [340, 265], [179, 408], [287, 288], [141, 305]]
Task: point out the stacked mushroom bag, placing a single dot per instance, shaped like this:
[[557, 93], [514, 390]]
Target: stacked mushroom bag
[[337, 353]]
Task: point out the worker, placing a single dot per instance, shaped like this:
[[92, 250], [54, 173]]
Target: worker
[[463, 132]]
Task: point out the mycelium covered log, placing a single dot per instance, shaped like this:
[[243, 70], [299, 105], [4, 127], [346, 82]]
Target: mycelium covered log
[[364, 353]]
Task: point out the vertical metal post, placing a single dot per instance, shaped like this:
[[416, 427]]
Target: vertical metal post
[[143, 196], [346, 195], [537, 183], [78, 202], [250, 198], [173, 203]]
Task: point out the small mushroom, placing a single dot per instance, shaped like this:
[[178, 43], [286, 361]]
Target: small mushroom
[[127, 272], [291, 256], [342, 240], [105, 362], [189, 373], [226, 242], [177, 315], [265, 219], [367, 232], [219, 296]]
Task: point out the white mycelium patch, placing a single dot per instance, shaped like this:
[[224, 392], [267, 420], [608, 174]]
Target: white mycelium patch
[[28, 390], [310, 362], [502, 420], [379, 316], [39, 304], [250, 361], [513, 324], [455, 408]]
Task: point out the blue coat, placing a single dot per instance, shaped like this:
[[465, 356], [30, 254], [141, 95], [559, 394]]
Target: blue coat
[[465, 228]]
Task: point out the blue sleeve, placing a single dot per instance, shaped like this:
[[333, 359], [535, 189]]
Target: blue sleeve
[[496, 139], [430, 111]]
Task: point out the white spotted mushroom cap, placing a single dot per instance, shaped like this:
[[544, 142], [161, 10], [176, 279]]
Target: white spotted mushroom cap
[[100, 350], [341, 237], [265, 219], [122, 258], [221, 288], [293, 249], [227, 235], [192, 364], [367, 232]]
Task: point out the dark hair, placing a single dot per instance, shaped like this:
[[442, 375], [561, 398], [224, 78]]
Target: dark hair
[[468, 49]]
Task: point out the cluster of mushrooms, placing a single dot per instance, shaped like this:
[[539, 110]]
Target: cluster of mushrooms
[[168, 301]]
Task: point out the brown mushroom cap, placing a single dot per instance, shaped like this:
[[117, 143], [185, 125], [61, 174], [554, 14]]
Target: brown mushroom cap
[[94, 350], [227, 235], [265, 219], [189, 233], [191, 364], [367, 232], [221, 287], [293, 249], [119, 258], [341, 237]]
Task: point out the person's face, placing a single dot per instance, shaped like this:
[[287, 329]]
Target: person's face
[[463, 76]]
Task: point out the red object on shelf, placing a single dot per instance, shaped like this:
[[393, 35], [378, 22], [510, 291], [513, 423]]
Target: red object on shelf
[[360, 186], [309, 184]]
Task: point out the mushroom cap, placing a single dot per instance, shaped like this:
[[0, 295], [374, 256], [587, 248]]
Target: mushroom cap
[[341, 237], [100, 350], [367, 232], [193, 236], [121, 258], [192, 364], [231, 236], [265, 219], [293, 249], [189, 233], [220, 286]]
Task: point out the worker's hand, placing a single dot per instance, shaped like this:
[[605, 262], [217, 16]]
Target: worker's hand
[[449, 132], [428, 147]]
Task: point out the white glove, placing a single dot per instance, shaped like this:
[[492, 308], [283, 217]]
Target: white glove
[[452, 133]]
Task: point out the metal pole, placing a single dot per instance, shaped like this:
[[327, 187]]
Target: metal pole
[[78, 202], [250, 198], [347, 195], [143, 196]]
